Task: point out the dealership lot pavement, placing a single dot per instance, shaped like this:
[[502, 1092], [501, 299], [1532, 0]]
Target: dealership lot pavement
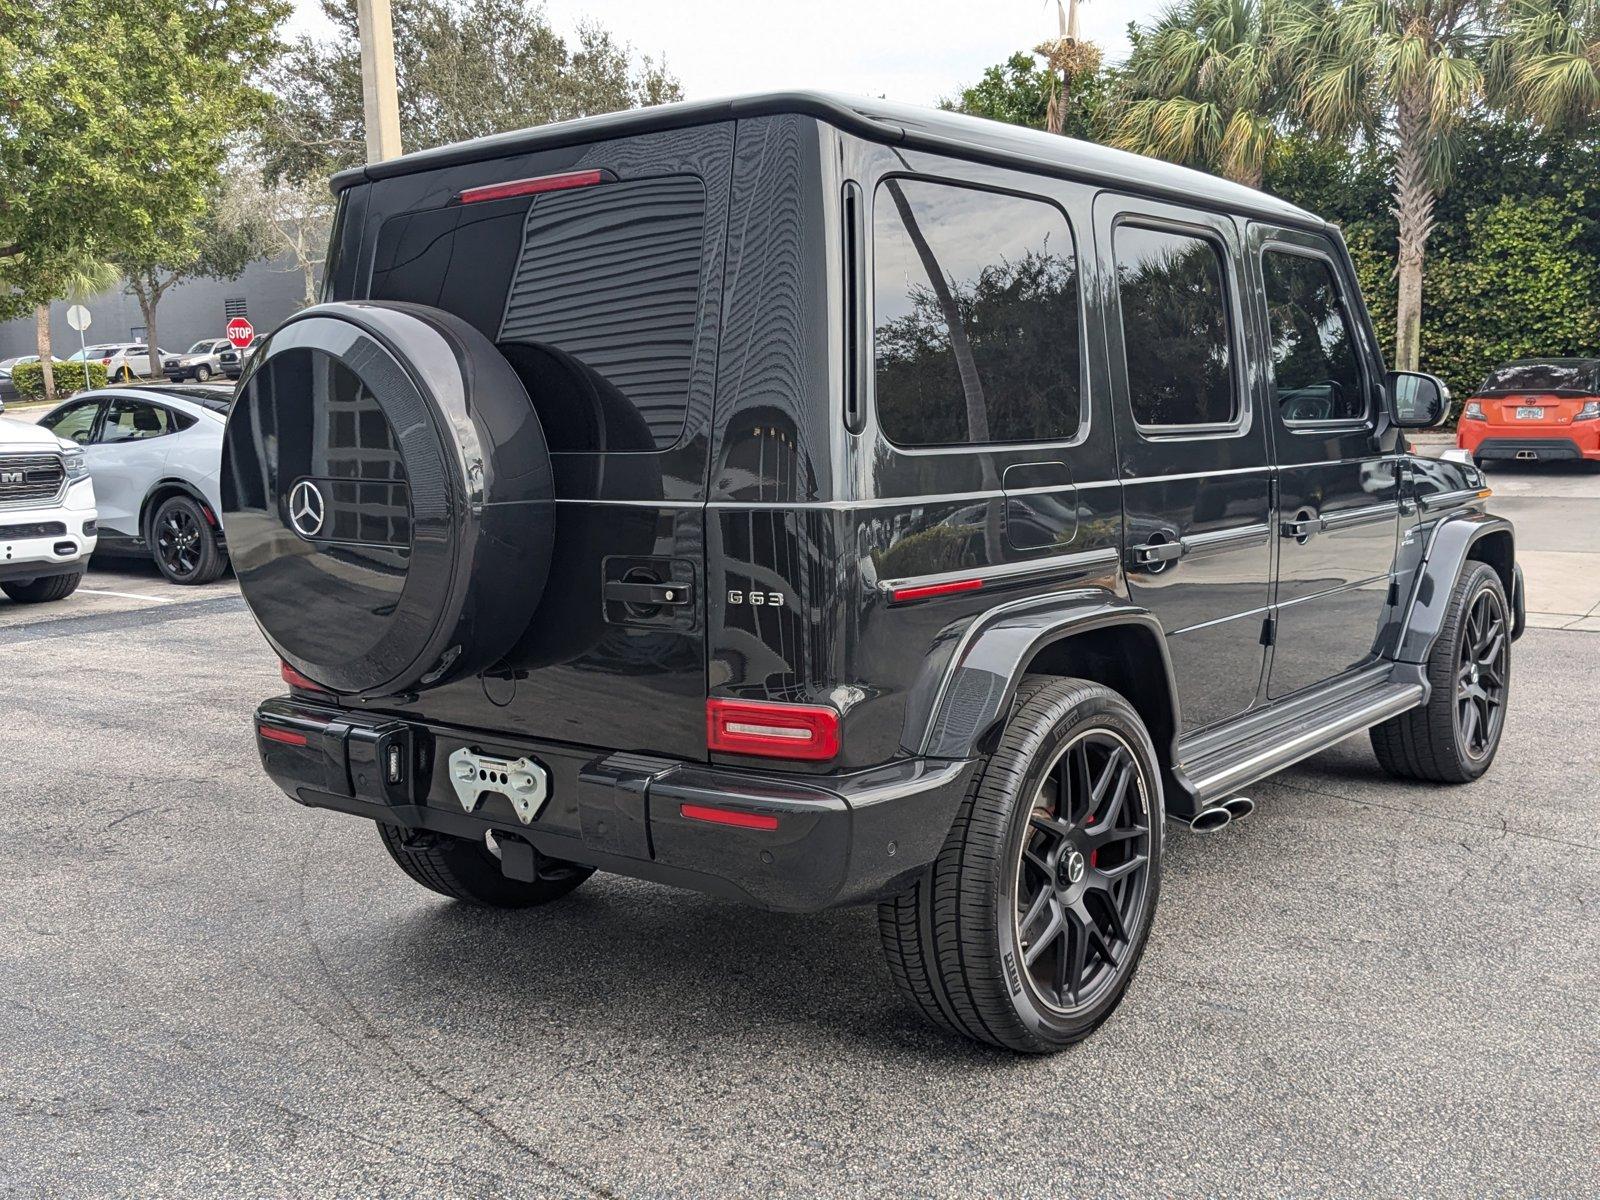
[[1366, 989]]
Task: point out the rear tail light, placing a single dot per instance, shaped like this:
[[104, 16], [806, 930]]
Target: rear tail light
[[286, 736], [296, 680], [532, 187], [1473, 411], [1589, 412], [794, 731]]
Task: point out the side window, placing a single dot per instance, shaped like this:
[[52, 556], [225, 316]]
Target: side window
[[1175, 327], [75, 422], [132, 421], [1316, 374], [976, 335]]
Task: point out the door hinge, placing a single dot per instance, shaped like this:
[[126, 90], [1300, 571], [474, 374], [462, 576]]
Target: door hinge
[[1269, 631]]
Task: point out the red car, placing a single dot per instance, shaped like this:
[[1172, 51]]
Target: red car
[[1535, 410]]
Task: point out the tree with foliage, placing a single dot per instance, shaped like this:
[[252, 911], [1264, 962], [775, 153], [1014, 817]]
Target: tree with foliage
[[1411, 71], [466, 68], [1019, 90], [1546, 61], [1519, 284], [1206, 86], [220, 245], [116, 113], [75, 280]]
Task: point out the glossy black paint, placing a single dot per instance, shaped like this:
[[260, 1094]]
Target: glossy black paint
[[1223, 578]]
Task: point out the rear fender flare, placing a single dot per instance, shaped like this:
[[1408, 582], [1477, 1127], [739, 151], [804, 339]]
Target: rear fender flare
[[1449, 550], [965, 691], [167, 487]]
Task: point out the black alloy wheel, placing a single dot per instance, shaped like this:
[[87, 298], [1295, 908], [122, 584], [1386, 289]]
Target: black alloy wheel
[[184, 545], [1082, 871], [1482, 672], [1454, 736], [1027, 929]]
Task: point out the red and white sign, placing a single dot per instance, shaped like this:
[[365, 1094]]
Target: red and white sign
[[241, 333]]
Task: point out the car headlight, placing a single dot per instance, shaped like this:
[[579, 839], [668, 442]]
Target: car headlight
[[1473, 412], [1589, 412], [72, 460]]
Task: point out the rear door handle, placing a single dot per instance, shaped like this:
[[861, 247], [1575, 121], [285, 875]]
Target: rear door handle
[[627, 591], [1301, 527], [1157, 552]]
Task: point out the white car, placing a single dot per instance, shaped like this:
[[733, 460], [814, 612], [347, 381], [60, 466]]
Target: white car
[[47, 514], [122, 360], [155, 453], [200, 362]]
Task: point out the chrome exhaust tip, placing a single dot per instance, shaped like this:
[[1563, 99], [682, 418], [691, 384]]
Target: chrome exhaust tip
[[1527, 456], [1239, 807], [1211, 820]]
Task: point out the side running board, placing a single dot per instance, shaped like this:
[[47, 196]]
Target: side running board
[[1222, 771]]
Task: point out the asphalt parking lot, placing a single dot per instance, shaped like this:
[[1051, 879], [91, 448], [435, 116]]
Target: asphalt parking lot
[[1368, 988]]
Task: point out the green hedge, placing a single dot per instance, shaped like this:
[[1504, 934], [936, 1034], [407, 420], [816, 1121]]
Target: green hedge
[[28, 378]]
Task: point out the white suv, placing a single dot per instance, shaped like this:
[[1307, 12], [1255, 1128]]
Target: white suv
[[47, 514]]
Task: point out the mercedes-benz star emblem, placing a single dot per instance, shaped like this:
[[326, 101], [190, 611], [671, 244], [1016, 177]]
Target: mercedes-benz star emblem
[[306, 509]]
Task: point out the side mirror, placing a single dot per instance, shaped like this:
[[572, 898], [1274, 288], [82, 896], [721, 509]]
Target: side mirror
[[1417, 401]]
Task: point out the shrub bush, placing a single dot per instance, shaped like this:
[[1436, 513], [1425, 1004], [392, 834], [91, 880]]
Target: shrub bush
[[28, 378]]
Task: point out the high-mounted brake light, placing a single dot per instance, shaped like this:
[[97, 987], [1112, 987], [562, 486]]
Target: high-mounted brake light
[[728, 816], [930, 590], [794, 731], [287, 736], [296, 680], [531, 187]]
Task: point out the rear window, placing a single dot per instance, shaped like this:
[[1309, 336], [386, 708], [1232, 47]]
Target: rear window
[[594, 295], [1574, 375]]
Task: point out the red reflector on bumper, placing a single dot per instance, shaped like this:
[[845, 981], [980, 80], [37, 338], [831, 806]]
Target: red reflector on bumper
[[287, 736], [727, 816], [793, 731], [532, 187]]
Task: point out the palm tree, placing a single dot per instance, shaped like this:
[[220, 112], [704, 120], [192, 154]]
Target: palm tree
[[1407, 71], [76, 281], [1066, 58], [1546, 61], [1205, 88]]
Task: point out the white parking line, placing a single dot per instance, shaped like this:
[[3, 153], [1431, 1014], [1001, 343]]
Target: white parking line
[[128, 595]]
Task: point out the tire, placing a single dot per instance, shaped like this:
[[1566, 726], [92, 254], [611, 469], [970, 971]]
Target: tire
[[468, 870], [183, 543], [957, 941], [1439, 742], [42, 591], [202, 373]]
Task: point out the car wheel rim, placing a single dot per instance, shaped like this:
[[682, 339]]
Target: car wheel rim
[[178, 542], [1482, 673], [1083, 872]]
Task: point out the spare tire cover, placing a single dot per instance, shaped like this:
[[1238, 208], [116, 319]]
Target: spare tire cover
[[387, 497]]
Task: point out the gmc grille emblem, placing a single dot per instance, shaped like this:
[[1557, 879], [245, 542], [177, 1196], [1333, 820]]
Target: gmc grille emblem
[[10, 476]]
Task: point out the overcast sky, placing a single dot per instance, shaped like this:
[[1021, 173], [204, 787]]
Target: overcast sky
[[916, 52]]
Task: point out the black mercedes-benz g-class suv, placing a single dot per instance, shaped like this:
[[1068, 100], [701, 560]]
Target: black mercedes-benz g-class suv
[[814, 502]]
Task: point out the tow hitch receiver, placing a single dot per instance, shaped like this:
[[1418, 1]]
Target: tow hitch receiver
[[520, 780]]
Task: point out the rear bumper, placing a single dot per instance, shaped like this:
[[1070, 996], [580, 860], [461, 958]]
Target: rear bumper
[[1569, 443], [833, 840]]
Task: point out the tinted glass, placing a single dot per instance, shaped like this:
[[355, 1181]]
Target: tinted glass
[[604, 308], [976, 313], [1174, 327], [1572, 374], [74, 422], [134, 420], [1316, 375]]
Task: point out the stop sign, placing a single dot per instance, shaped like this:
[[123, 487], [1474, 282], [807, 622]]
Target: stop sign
[[241, 333]]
